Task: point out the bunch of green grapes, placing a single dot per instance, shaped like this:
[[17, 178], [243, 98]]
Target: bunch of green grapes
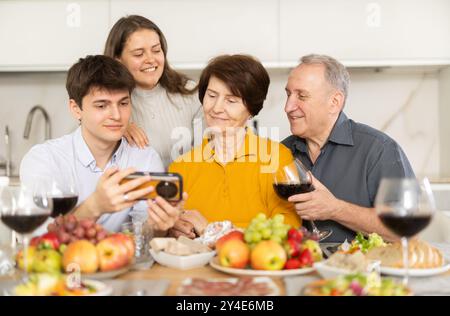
[[262, 228]]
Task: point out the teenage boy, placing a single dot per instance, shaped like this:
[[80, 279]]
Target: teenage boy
[[96, 156]]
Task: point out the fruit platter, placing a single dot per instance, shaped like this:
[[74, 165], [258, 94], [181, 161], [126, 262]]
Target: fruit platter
[[57, 284], [357, 285], [267, 247], [73, 245]]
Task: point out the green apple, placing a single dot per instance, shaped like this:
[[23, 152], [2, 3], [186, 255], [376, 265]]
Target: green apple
[[314, 248], [47, 260], [30, 254]]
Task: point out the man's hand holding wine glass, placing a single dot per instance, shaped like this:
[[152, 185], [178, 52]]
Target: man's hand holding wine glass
[[319, 204]]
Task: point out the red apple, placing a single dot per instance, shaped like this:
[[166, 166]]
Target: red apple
[[128, 241], [81, 253], [234, 253], [235, 234], [112, 254], [268, 255]]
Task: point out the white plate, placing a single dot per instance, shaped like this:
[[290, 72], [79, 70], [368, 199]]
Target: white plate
[[105, 274], [415, 272], [274, 290], [277, 273], [101, 289], [182, 262]]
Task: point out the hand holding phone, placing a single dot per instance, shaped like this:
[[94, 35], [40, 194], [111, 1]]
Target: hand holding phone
[[167, 185]]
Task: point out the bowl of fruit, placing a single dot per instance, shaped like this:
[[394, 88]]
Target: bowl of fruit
[[267, 247], [73, 245]]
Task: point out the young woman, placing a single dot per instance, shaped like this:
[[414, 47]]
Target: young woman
[[165, 103]]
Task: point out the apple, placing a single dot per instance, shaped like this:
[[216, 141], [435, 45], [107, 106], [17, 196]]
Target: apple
[[47, 260], [268, 255], [234, 253], [112, 254], [128, 241], [30, 254], [235, 234], [82, 253]]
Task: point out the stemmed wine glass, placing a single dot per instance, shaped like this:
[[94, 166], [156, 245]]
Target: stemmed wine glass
[[64, 195], [405, 206], [293, 179], [23, 210]]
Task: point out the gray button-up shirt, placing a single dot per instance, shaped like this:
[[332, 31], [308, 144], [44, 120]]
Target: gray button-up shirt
[[351, 165], [69, 157]]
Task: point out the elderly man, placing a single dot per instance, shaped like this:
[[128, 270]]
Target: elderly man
[[347, 159]]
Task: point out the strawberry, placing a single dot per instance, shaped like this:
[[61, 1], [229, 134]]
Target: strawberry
[[292, 248], [306, 259], [292, 263], [294, 234]]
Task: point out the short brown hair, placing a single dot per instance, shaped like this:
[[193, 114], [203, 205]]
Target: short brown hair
[[171, 80], [245, 76], [97, 72]]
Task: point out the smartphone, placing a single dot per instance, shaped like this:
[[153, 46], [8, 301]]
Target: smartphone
[[167, 185]]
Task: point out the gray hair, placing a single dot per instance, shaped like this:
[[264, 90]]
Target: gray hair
[[335, 73]]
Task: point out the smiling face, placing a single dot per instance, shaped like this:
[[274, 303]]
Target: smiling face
[[310, 104], [144, 58], [104, 115], [222, 109]]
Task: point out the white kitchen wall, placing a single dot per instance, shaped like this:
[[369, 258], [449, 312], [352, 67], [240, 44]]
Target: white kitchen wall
[[405, 104]]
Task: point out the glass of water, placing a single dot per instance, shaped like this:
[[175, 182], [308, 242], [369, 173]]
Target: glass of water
[[142, 234]]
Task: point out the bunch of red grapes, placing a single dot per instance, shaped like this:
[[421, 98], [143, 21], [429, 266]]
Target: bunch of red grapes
[[69, 229]]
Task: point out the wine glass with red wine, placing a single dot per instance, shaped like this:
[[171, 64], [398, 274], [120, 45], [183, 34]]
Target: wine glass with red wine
[[405, 206], [23, 210], [293, 179], [64, 195]]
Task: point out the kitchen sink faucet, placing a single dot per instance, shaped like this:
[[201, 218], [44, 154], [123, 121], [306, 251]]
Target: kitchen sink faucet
[[26, 133], [7, 163]]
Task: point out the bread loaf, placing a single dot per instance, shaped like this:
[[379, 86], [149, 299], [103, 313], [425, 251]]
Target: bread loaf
[[421, 255]]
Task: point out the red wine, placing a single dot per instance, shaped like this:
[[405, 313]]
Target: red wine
[[63, 205], [405, 226], [24, 224], [285, 190]]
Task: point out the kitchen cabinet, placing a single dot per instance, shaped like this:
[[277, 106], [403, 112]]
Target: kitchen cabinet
[[367, 32], [198, 30], [50, 35]]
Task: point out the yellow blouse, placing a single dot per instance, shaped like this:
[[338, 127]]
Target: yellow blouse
[[240, 189]]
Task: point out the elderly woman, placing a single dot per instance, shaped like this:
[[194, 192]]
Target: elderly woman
[[229, 176]]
